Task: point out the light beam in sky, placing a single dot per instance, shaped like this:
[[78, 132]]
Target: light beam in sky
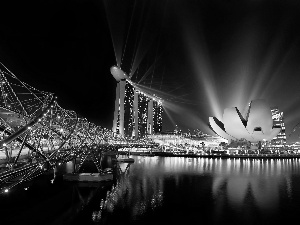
[[249, 65], [115, 11], [204, 74]]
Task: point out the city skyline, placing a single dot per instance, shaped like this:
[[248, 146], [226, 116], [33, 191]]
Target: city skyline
[[202, 57]]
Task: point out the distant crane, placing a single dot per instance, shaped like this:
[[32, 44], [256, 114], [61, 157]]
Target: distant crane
[[294, 129]]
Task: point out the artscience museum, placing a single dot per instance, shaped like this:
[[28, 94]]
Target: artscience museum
[[255, 127]]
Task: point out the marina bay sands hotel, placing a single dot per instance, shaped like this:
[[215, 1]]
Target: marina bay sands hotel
[[137, 113]]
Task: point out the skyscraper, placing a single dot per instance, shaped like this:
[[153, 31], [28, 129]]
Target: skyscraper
[[278, 120]]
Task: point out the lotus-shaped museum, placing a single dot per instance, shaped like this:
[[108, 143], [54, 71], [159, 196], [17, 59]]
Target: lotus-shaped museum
[[257, 126]]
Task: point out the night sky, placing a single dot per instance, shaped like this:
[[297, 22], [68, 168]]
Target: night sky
[[199, 56]]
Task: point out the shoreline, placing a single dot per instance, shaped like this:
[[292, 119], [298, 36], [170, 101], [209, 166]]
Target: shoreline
[[213, 156], [222, 156]]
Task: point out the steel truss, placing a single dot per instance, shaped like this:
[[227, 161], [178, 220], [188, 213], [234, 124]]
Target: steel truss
[[36, 133]]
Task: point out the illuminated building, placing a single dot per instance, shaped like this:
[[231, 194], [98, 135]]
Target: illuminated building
[[277, 116], [181, 142], [128, 109], [142, 115], [295, 147], [256, 127], [157, 117], [136, 112]]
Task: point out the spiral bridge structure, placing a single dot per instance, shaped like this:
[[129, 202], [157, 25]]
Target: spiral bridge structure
[[36, 133]]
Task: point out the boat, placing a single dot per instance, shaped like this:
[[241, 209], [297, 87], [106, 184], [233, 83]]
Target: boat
[[94, 177], [147, 154], [128, 160]]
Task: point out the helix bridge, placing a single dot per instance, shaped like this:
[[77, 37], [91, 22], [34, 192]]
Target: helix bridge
[[36, 133]]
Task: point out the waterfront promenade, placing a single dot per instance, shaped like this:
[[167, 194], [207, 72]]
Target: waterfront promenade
[[211, 155], [26, 152]]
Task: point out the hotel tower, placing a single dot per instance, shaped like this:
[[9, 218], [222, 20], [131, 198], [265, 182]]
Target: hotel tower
[[137, 113]]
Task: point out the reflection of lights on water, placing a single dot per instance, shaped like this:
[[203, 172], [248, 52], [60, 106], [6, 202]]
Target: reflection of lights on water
[[157, 200], [123, 193], [139, 208], [248, 167], [259, 179], [96, 216], [235, 178]]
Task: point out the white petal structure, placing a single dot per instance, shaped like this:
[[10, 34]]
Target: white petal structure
[[256, 127], [217, 127], [233, 124]]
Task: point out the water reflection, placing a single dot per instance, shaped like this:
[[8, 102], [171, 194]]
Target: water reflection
[[220, 190], [265, 167], [130, 194], [260, 179]]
